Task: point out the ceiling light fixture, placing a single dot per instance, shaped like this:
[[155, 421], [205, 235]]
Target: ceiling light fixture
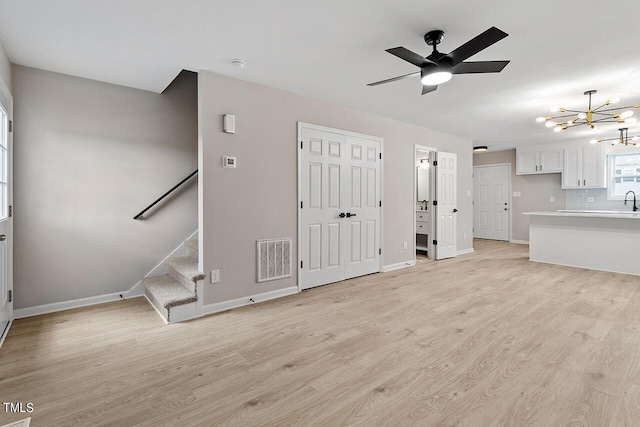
[[623, 138], [480, 148], [589, 117]]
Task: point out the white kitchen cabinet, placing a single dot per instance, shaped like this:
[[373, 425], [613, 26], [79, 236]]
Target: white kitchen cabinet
[[584, 167], [535, 161]]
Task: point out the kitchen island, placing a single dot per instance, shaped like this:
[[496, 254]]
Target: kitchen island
[[599, 240]]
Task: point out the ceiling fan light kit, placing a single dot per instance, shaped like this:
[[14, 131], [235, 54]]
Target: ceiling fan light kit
[[439, 68], [590, 117]]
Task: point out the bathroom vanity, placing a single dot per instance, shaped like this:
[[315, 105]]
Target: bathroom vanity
[[423, 224]]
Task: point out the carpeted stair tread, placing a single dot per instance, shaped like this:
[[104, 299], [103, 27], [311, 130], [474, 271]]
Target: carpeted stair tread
[[187, 266], [167, 292]]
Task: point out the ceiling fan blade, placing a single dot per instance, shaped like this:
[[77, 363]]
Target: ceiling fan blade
[[426, 89], [409, 56], [393, 79], [476, 44], [479, 67]]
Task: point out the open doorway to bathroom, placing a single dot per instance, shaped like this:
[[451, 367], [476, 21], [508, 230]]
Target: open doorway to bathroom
[[423, 190]]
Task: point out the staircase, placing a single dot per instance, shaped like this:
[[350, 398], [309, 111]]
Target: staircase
[[175, 287]]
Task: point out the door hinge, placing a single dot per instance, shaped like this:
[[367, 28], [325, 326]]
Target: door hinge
[[380, 156], [379, 251], [380, 203], [10, 296], [435, 203], [10, 125], [435, 242], [301, 145], [301, 205], [10, 211], [300, 264], [435, 163]]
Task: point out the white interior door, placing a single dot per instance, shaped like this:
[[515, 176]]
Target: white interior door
[[491, 202], [6, 223], [339, 212], [363, 210], [445, 210]]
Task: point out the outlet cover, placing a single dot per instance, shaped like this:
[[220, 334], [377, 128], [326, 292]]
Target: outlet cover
[[215, 276], [404, 245], [516, 194], [590, 200], [552, 199]]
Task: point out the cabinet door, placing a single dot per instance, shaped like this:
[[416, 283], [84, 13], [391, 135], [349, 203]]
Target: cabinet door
[[571, 170], [593, 167], [550, 161], [527, 162]]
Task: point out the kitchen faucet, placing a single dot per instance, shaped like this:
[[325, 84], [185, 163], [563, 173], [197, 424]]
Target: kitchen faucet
[[635, 207]]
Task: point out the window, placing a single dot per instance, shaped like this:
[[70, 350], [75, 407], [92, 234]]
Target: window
[[624, 175]]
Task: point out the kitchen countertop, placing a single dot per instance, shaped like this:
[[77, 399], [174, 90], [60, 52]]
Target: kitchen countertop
[[589, 214]]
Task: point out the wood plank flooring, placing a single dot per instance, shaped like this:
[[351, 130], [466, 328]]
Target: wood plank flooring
[[486, 339]]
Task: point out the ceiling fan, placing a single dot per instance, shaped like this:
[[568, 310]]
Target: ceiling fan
[[439, 67]]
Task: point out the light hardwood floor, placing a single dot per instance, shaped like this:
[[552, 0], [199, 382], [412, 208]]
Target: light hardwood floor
[[484, 339]]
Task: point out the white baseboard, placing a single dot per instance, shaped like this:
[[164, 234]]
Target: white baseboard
[[398, 266], [241, 302], [519, 242], [5, 333], [465, 251], [65, 305]]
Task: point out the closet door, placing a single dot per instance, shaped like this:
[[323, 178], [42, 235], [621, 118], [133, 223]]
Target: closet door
[[323, 237], [339, 187]]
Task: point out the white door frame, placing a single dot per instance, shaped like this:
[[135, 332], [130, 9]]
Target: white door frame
[[7, 94], [417, 147], [508, 195], [299, 185]]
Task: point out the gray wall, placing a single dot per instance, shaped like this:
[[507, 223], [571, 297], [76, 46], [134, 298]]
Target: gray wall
[[5, 67], [88, 156], [535, 191], [259, 199]]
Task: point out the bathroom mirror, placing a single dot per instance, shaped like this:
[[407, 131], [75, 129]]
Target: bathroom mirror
[[423, 182]]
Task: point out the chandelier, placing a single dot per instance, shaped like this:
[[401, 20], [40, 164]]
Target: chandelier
[[623, 138], [589, 117]]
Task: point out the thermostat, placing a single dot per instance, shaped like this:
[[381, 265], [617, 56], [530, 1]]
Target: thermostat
[[229, 162]]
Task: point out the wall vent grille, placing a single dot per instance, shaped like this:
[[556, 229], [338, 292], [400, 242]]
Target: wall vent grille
[[274, 259]]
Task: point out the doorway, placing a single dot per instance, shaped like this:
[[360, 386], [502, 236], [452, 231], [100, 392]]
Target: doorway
[[491, 210], [339, 182], [6, 222], [437, 171]]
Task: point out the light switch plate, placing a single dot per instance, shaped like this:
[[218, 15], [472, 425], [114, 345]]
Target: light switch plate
[[516, 194]]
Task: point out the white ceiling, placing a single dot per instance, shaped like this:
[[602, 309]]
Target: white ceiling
[[330, 49]]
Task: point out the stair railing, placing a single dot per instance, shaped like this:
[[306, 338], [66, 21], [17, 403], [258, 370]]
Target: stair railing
[[140, 215]]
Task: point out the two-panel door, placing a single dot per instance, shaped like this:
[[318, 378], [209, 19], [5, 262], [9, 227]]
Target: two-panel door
[[339, 206]]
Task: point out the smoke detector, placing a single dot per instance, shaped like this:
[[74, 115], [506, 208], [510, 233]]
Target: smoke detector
[[238, 63]]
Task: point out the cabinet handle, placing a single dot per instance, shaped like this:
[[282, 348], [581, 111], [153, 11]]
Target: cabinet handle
[[536, 167], [540, 167], [578, 183], [584, 182]]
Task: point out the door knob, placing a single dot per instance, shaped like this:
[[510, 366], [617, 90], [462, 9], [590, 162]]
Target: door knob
[[506, 209], [349, 215], [455, 210], [3, 237], [342, 215]]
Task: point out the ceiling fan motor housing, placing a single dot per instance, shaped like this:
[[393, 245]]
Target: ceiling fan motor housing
[[434, 37]]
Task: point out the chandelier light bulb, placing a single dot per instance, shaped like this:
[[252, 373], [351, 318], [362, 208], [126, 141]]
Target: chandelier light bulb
[[635, 138], [614, 100], [594, 141], [541, 119], [555, 109], [557, 129], [626, 114], [582, 116], [550, 124], [631, 120]]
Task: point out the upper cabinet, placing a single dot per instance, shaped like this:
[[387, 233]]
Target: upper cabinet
[[584, 167], [532, 160]]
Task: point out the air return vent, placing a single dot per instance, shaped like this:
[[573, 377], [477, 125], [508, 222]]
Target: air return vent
[[274, 259]]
